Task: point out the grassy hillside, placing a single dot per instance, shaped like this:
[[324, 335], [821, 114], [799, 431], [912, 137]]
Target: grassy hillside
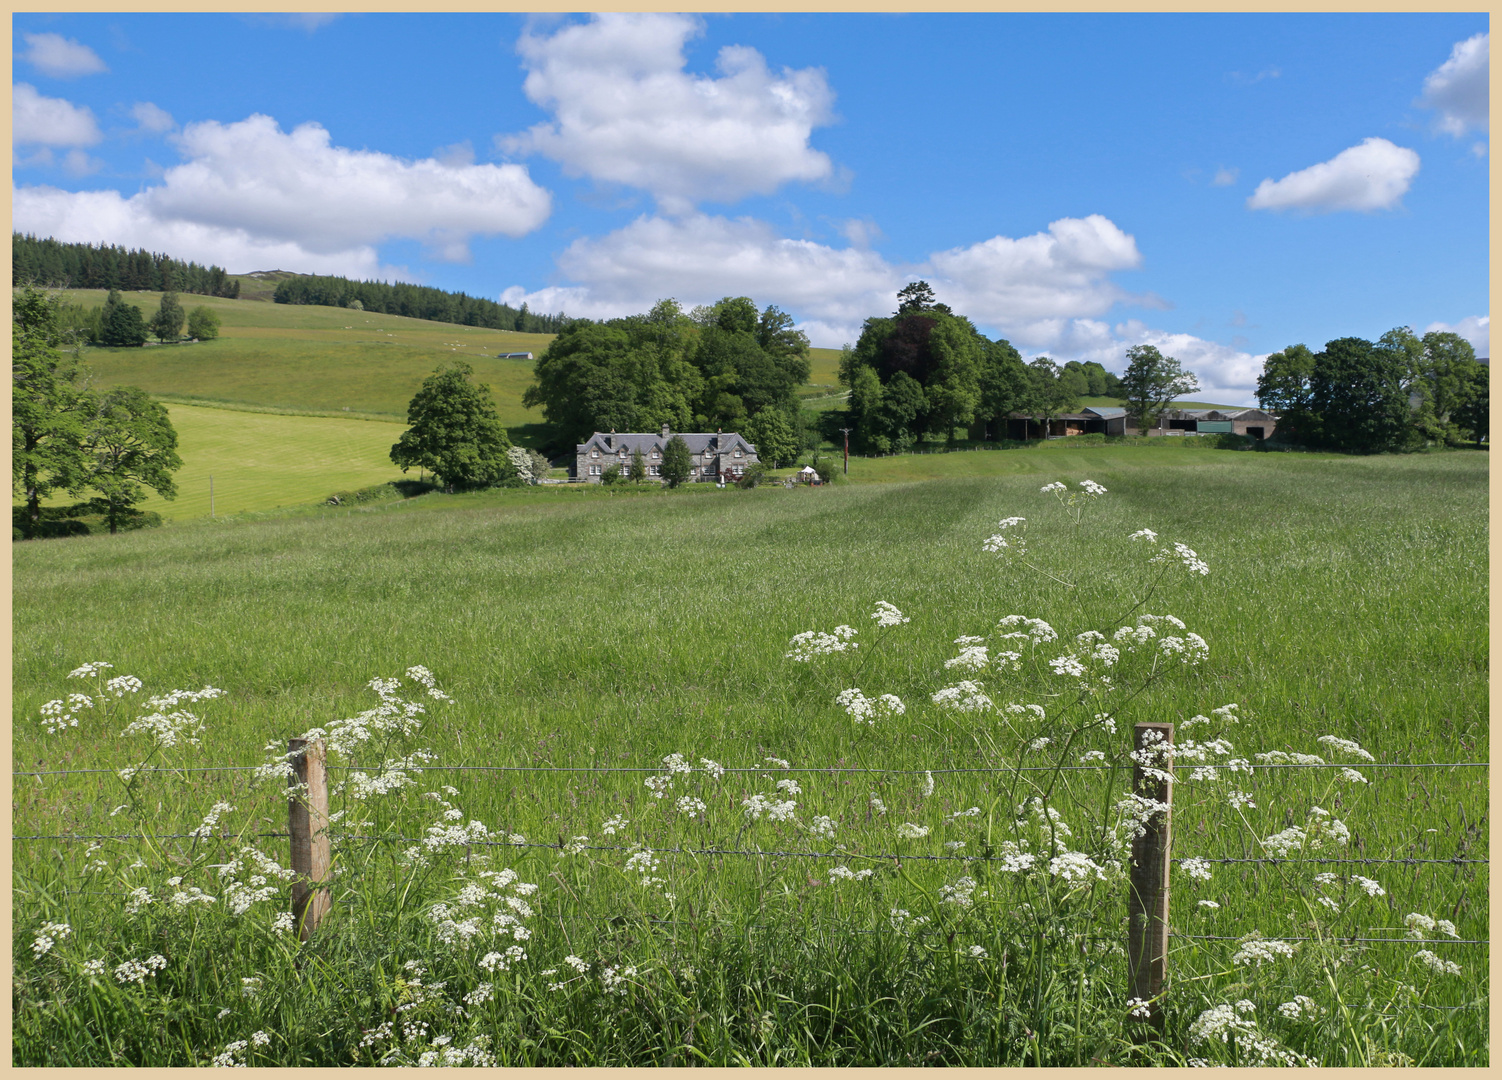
[[1346, 597], [303, 357]]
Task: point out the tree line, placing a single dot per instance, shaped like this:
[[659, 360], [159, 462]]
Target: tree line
[[1400, 392], [66, 436], [415, 302], [925, 370], [726, 366], [54, 264], [118, 324]]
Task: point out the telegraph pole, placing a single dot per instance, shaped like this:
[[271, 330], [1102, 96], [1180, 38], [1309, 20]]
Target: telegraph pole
[[847, 449]]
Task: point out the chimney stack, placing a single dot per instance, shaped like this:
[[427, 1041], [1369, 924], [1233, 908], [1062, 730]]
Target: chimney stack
[[664, 431]]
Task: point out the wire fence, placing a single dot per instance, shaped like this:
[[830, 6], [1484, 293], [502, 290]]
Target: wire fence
[[826, 770], [774, 766]]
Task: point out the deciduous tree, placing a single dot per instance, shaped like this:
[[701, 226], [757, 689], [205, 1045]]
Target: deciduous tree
[[1151, 382], [203, 324], [132, 446], [455, 433], [49, 405]]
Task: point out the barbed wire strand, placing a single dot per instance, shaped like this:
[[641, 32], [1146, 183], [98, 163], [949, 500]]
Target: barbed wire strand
[[884, 857], [831, 769]]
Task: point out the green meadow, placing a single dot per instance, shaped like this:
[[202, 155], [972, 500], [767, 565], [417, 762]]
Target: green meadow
[[580, 632], [304, 358]]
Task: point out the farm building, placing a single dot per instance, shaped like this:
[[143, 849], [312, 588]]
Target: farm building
[[1104, 420], [1253, 422], [714, 455]]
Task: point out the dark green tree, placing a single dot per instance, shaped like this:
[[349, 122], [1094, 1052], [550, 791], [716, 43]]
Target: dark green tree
[[49, 404], [774, 438], [167, 323], [638, 466], [612, 475], [132, 446], [1283, 390], [676, 461], [455, 433], [1006, 386], [203, 324], [122, 325], [1055, 390], [1474, 416], [1152, 381], [1444, 376], [1356, 389]]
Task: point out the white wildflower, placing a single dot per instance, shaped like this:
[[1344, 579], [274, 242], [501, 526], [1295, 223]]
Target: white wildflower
[[1345, 746], [965, 696], [1197, 868], [908, 831], [1444, 967], [887, 615]]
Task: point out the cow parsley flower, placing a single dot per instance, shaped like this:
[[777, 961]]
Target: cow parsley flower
[[908, 831], [887, 615], [690, 805], [1144, 534], [1092, 489], [1444, 967], [1345, 746], [864, 710], [844, 873], [1020, 626], [1055, 488], [811, 643], [965, 696], [1197, 868], [1258, 951]]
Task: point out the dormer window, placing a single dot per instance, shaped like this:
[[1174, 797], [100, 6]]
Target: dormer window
[[594, 453], [737, 452]]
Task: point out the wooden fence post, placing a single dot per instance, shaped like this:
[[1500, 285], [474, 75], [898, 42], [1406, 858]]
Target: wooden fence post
[[1147, 902], [308, 821]]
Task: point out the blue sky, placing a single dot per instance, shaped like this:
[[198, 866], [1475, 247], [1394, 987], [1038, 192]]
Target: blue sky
[[1220, 186]]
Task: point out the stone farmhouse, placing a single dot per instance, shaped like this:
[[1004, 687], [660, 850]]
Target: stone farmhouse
[[714, 456]]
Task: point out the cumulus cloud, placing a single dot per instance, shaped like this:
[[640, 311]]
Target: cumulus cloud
[[625, 111], [1372, 176], [37, 120], [151, 118], [1474, 328], [294, 199], [1458, 88], [60, 57], [107, 216], [1027, 288], [1026, 285]]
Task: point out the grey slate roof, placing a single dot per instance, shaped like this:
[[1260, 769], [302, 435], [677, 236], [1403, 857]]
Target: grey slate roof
[[1105, 412], [698, 442]]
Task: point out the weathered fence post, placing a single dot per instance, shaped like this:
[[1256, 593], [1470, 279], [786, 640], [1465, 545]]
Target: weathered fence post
[[308, 821], [1147, 903]]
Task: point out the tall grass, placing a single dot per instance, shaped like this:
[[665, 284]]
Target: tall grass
[[1347, 597]]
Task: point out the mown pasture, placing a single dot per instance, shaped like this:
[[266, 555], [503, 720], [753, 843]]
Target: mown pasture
[[1347, 597]]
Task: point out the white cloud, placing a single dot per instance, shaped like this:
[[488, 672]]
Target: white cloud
[[60, 57], [1225, 177], [1372, 176], [625, 111], [262, 195], [107, 217], [1458, 88], [1474, 328], [45, 121], [297, 186], [1028, 287], [152, 118]]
